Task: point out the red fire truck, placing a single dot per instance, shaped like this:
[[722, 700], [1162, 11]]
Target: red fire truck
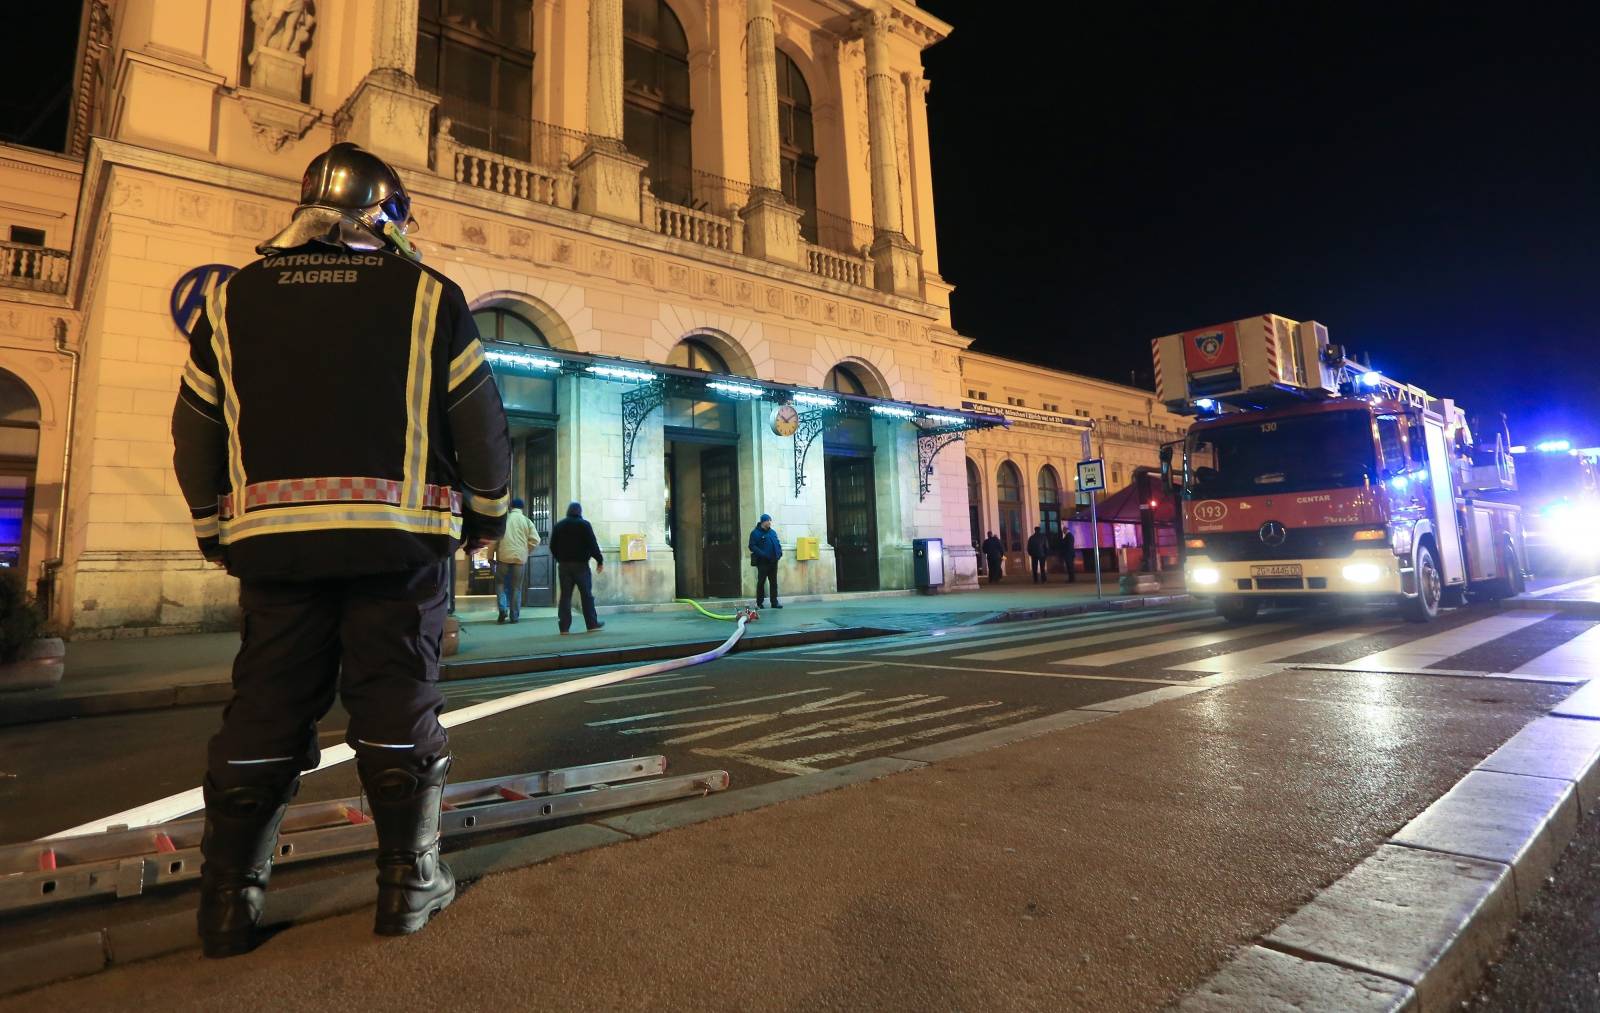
[[1307, 475]]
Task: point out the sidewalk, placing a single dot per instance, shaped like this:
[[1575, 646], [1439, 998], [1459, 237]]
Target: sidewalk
[[1112, 861], [146, 673]]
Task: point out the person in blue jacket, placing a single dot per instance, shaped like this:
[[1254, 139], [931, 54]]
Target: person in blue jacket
[[765, 551]]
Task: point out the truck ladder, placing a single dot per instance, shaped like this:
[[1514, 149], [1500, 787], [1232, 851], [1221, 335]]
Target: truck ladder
[[123, 863]]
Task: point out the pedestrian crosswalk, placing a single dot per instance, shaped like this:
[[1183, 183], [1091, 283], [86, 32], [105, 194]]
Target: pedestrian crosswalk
[[1192, 641]]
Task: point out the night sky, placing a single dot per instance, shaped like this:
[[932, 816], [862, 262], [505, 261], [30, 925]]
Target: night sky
[[1422, 178]]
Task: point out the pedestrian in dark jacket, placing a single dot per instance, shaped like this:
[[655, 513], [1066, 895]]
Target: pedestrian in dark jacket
[[1069, 554], [572, 545], [994, 551], [765, 551], [1038, 552]]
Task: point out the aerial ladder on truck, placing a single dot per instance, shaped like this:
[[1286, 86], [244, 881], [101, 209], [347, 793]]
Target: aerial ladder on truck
[[1308, 475]]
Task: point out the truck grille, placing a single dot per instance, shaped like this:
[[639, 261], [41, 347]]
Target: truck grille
[[1300, 543]]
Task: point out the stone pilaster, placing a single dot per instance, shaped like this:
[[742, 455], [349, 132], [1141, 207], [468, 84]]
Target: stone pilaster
[[897, 264], [389, 114], [608, 177], [772, 225]]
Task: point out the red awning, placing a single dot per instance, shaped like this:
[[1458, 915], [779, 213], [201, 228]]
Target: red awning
[[1122, 507]]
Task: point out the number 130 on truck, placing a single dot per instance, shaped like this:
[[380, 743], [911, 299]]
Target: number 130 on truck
[[1307, 475]]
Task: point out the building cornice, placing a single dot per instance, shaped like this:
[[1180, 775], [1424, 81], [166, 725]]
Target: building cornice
[[1059, 374], [45, 163]]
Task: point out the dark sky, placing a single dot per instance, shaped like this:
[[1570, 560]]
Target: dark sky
[[1422, 178]]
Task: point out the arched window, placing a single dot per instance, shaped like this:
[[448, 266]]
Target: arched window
[[1050, 505], [692, 353], [495, 324], [797, 144], [848, 431], [843, 379], [687, 413], [1008, 488], [477, 57], [656, 112], [975, 503], [19, 452]]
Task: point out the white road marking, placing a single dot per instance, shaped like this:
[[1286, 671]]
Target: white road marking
[[1013, 634], [1426, 651], [703, 707], [1578, 657], [1110, 637], [658, 692], [1282, 649], [1040, 675], [846, 668], [1172, 646], [844, 701]]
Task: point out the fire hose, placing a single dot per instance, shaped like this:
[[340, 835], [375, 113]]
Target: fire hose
[[185, 802]]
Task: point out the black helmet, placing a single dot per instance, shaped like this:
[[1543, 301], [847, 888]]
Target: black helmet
[[360, 184], [350, 198]]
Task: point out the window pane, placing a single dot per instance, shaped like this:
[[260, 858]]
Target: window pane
[[788, 180], [466, 79], [640, 16], [487, 321], [639, 128], [515, 329], [429, 9], [514, 110], [19, 441], [803, 138], [675, 81], [477, 15], [519, 392], [639, 68], [428, 60], [516, 23], [805, 197], [849, 432], [669, 31]]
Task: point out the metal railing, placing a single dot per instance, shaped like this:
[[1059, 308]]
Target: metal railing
[[843, 234], [35, 268]]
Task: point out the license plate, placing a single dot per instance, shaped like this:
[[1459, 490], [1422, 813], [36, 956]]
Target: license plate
[[1280, 570]]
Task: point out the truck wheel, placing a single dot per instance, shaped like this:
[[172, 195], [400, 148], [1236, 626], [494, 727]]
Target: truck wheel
[[1511, 582], [1424, 608], [1238, 610], [1514, 575]]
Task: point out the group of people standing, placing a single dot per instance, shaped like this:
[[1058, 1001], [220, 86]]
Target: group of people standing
[[572, 544], [994, 552]]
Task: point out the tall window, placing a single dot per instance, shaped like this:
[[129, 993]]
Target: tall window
[[796, 144], [520, 392], [848, 431], [687, 413], [19, 451], [975, 504], [477, 55], [1050, 504], [656, 113], [1008, 488]]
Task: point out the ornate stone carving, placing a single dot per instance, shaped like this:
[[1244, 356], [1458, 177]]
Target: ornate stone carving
[[642, 270], [282, 30], [249, 219], [276, 120], [193, 207]]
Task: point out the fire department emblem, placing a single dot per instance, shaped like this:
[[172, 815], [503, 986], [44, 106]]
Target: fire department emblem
[[1209, 345]]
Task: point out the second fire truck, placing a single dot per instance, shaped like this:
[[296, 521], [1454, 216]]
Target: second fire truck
[[1308, 475]]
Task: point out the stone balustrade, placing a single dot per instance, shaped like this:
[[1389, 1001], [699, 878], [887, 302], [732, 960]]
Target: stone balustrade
[[699, 227], [33, 267], [496, 173], [826, 263]]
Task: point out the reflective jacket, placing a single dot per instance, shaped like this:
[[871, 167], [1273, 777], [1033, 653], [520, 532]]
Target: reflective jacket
[[337, 417]]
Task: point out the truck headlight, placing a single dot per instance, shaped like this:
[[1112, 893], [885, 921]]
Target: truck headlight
[[1363, 573], [1400, 540], [1204, 575]]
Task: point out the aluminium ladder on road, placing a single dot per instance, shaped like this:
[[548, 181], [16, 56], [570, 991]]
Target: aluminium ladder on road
[[126, 862]]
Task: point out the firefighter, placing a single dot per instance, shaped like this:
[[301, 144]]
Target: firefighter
[[338, 436]]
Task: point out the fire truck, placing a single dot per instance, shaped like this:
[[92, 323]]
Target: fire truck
[[1307, 475]]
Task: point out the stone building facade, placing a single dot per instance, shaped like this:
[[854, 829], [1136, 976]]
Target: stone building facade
[[731, 203]]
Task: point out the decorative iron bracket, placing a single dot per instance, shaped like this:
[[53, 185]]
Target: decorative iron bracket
[[637, 404], [929, 442], [812, 425]]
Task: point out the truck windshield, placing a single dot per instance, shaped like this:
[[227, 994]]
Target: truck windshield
[[1329, 450]]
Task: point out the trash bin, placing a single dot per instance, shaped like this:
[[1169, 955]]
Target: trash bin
[[927, 556]]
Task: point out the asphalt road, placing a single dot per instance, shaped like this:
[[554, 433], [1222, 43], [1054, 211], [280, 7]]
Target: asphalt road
[[775, 714]]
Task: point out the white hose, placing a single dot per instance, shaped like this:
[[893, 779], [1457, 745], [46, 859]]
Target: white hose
[[185, 802]]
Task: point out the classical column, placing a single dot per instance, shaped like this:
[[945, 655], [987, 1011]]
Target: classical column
[[897, 263], [388, 113], [772, 225], [608, 177]]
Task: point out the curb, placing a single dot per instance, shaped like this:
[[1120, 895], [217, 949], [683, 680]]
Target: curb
[[1100, 605], [1565, 606], [92, 952], [24, 712], [1414, 926]]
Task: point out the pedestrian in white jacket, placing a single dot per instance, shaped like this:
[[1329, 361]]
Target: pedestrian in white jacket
[[510, 555]]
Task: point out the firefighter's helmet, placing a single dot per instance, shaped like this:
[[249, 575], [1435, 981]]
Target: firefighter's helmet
[[349, 197]]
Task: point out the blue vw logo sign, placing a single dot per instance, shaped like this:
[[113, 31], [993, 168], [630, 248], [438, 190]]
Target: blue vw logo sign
[[189, 295]]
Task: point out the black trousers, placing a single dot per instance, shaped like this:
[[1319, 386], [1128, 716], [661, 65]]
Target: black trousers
[[1039, 575], [372, 640], [575, 575], [1069, 562], [766, 573], [996, 564]]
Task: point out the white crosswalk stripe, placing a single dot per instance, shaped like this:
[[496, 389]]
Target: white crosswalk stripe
[[1281, 649], [938, 640], [1431, 650], [1111, 637], [1578, 657], [1019, 633], [1209, 639]]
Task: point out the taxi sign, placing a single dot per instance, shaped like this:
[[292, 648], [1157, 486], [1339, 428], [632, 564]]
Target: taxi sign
[[1092, 475]]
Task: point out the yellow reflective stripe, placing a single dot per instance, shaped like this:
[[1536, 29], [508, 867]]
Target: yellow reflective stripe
[[419, 379], [206, 527], [349, 517], [217, 309], [464, 364], [204, 387], [496, 507]]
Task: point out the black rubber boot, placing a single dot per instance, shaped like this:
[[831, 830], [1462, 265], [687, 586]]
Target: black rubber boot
[[413, 884], [240, 837]]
